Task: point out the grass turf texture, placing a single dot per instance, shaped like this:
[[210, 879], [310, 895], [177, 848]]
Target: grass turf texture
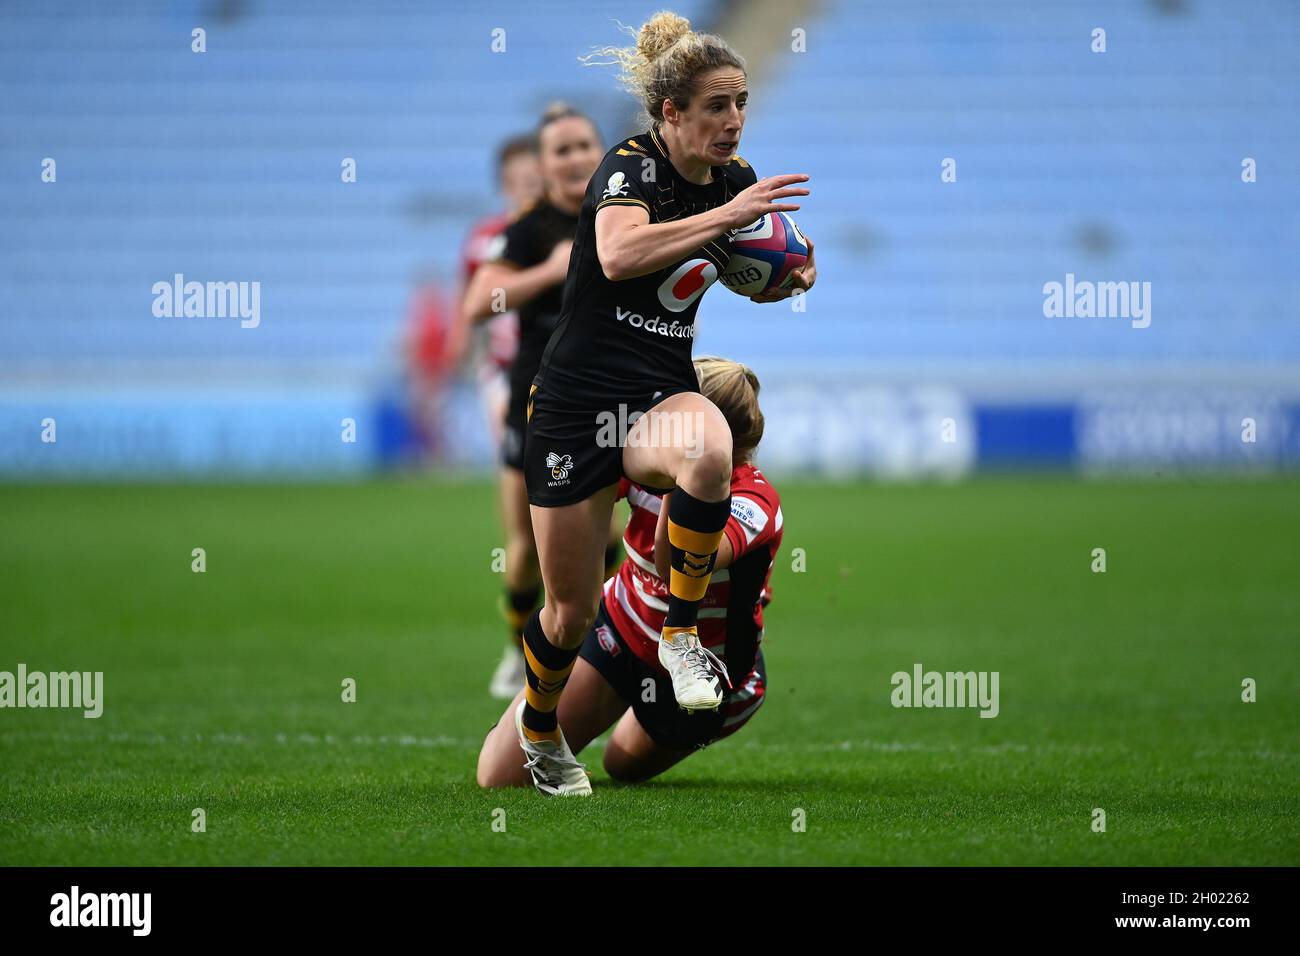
[[1118, 690]]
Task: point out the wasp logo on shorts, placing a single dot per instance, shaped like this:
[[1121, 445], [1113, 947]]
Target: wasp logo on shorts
[[686, 283], [560, 465], [617, 186]]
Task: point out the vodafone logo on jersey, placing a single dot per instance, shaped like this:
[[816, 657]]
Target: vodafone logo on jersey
[[686, 283]]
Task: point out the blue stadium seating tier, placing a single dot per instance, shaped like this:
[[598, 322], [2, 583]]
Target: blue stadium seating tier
[[225, 166]]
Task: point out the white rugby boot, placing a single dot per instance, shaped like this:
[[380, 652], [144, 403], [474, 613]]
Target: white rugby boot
[[509, 675], [694, 670], [556, 772]]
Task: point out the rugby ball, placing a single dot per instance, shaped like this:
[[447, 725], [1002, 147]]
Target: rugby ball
[[763, 255]]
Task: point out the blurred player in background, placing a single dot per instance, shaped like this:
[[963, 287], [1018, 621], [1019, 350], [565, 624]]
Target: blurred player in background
[[524, 269], [519, 180], [619, 660]]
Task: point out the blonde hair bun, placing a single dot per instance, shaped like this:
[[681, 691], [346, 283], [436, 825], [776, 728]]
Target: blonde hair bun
[[659, 33], [665, 62]]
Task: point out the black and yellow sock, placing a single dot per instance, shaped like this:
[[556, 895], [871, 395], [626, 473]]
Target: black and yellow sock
[[694, 532], [516, 608], [547, 669]]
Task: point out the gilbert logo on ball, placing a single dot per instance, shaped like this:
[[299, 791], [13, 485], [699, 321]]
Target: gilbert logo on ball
[[764, 254]]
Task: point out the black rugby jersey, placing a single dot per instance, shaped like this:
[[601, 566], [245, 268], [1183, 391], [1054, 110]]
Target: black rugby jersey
[[526, 242], [622, 339]]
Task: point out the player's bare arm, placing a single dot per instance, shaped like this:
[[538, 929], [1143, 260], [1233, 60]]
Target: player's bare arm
[[518, 286], [629, 245]]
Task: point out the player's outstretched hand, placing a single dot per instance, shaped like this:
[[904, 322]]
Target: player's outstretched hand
[[800, 279], [761, 198]]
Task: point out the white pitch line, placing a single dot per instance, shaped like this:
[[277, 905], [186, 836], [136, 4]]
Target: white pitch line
[[443, 741], [238, 739]]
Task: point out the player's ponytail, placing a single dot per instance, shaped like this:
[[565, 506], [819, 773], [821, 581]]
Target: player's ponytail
[[734, 389], [665, 61]]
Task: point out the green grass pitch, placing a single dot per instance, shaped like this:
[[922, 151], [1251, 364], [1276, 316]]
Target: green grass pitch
[[1119, 691]]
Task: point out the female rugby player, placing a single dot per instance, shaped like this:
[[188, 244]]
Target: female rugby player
[[519, 181], [620, 653], [654, 232], [528, 264]]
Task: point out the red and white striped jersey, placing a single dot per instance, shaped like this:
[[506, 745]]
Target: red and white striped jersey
[[731, 613]]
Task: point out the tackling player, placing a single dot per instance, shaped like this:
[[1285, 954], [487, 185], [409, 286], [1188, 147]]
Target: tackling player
[[618, 676]]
